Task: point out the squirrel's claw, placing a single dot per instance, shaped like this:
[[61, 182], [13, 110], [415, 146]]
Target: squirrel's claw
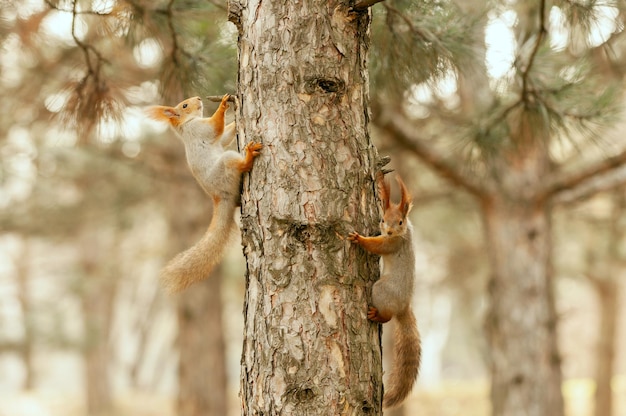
[[353, 236], [254, 148], [375, 316], [224, 102]]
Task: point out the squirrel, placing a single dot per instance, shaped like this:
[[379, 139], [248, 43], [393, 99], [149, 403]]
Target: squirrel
[[218, 171], [391, 294]]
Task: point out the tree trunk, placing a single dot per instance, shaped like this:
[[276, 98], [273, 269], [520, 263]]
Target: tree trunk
[[603, 272], [607, 290], [202, 369], [521, 322], [516, 208], [202, 385], [22, 266], [303, 90], [97, 298]]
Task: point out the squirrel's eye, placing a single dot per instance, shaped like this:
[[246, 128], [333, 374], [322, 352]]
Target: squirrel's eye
[[400, 223], [184, 105]]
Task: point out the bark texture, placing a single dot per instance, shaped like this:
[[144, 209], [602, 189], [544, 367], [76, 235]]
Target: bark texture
[[303, 90]]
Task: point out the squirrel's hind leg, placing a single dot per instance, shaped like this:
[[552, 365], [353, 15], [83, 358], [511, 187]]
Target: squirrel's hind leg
[[375, 315]]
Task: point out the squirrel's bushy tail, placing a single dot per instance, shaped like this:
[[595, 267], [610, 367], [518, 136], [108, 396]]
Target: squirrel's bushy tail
[[407, 354], [197, 262]]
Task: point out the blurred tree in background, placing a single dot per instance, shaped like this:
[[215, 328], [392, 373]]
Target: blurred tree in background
[[515, 102], [80, 167], [508, 138]]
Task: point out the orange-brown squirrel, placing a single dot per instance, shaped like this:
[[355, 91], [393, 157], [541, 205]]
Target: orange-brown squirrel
[[392, 293], [218, 171]]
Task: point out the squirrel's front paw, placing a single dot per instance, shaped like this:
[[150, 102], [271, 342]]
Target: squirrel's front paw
[[254, 148], [354, 237], [224, 102]]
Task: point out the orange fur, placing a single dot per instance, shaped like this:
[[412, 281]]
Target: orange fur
[[217, 119], [252, 151], [380, 244]]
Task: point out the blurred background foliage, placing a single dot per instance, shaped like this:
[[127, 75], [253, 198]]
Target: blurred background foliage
[[94, 197]]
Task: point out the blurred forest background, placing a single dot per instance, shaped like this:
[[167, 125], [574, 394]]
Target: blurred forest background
[[94, 199]]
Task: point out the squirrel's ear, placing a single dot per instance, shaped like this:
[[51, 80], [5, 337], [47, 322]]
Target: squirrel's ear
[[161, 112], [170, 112], [384, 191], [406, 201]]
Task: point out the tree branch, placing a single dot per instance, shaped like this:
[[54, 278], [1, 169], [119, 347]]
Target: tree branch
[[172, 29], [365, 4], [533, 54], [93, 70], [404, 132], [74, 11], [218, 98], [577, 186], [421, 33]]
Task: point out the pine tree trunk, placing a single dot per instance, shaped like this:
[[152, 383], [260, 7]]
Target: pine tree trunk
[[607, 290], [97, 299], [24, 298], [604, 275], [202, 368], [521, 323], [525, 366], [303, 86], [202, 383]]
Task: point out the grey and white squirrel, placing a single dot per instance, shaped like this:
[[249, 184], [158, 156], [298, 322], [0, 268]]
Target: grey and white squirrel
[[218, 171], [392, 293]]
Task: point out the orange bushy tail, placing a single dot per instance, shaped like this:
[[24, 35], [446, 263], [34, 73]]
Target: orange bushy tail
[[197, 262], [407, 354]]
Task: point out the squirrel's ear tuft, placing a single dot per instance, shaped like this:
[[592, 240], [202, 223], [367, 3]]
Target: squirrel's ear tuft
[[406, 201], [384, 191]]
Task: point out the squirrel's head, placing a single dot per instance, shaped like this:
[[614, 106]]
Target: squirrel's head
[[191, 107], [394, 220], [184, 111]]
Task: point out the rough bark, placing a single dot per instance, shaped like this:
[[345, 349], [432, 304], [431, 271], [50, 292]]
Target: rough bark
[[303, 90]]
